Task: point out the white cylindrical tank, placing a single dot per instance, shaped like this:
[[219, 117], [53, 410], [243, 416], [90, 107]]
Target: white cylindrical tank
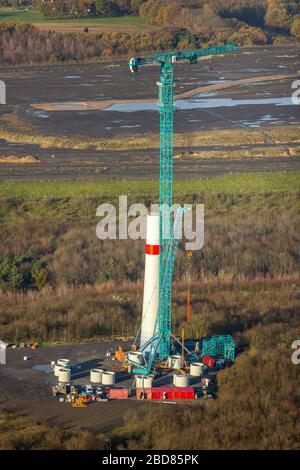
[[96, 375], [143, 381], [63, 362], [148, 382], [136, 356], [196, 369], [175, 362], [56, 369], [139, 381], [151, 281], [64, 375], [108, 378], [180, 380]]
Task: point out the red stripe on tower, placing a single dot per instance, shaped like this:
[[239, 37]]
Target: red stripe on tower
[[152, 249]]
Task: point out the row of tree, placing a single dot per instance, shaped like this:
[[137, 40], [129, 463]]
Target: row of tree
[[247, 22], [24, 44], [23, 271], [17, 3], [86, 8], [206, 17], [78, 8]]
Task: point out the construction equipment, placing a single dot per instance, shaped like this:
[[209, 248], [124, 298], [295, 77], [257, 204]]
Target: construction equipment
[[188, 294], [166, 62], [182, 348], [80, 402], [120, 355], [219, 347]]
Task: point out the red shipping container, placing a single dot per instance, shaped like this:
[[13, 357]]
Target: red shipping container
[[173, 393], [208, 361], [118, 393]]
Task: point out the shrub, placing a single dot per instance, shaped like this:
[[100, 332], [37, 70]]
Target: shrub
[[39, 274]]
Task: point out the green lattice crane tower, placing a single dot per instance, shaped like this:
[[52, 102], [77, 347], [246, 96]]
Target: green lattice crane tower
[[166, 60]]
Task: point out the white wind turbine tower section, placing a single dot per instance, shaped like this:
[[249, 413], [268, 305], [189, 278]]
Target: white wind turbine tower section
[[151, 282]]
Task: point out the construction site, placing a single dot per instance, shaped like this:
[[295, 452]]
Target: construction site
[[157, 365], [91, 383]]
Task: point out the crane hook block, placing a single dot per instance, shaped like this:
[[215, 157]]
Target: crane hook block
[[133, 64]]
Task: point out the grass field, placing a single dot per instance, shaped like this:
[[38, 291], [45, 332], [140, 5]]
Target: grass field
[[20, 433], [231, 184], [33, 16]]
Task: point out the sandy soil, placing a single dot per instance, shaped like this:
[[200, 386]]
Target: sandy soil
[[16, 160]]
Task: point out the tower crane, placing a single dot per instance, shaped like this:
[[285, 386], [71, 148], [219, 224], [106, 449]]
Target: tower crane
[[166, 61]]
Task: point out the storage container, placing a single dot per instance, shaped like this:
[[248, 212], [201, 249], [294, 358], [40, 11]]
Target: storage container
[[136, 357], [63, 362], [143, 381], [196, 369], [174, 362], [121, 393], [96, 376], [167, 393], [64, 375], [180, 380], [108, 378]]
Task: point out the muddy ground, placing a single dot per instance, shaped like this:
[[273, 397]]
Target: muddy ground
[[64, 164], [261, 104]]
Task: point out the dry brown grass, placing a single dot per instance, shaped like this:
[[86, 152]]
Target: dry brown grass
[[95, 28], [223, 137], [22, 433], [248, 237], [14, 159], [256, 152]]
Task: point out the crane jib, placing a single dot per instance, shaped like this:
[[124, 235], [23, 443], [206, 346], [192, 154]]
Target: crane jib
[[176, 56]]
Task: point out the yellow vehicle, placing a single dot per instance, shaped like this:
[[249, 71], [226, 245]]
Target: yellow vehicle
[[80, 402]]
